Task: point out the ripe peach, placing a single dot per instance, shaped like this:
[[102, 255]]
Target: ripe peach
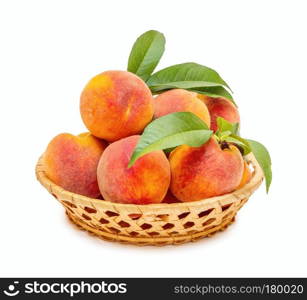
[[116, 104], [206, 171], [180, 100], [246, 177], [147, 181], [220, 107], [71, 162]]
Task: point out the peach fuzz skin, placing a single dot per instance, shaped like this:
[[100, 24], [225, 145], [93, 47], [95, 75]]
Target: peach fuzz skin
[[206, 171], [220, 107], [71, 162], [145, 182], [180, 100], [246, 177], [116, 104]]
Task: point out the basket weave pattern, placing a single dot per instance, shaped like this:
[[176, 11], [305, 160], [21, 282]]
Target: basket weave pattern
[[153, 224]]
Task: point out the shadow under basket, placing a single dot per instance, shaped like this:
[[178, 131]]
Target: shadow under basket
[[153, 224]]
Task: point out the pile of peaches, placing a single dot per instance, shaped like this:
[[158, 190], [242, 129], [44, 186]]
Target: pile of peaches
[[170, 136], [115, 107]]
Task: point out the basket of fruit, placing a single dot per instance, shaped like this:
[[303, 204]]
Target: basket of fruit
[[163, 161]]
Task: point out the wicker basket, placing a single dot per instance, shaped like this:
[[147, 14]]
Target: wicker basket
[[153, 224]]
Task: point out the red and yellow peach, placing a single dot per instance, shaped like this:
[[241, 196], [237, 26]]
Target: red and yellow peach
[[71, 162], [178, 100], [145, 182], [116, 104], [206, 171], [220, 107]]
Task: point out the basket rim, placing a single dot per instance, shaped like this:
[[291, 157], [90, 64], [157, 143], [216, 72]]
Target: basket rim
[[257, 177]]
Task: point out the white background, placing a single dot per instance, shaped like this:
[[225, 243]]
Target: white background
[[50, 49]]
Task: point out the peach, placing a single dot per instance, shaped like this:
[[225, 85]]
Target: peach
[[116, 104], [202, 172], [246, 177], [180, 100], [145, 182], [71, 162], [220, 107]]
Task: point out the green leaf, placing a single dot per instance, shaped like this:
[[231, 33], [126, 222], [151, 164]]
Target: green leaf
[[146, 53], [263, 157], [239, 141], [228, 132], [223, 125], [225, 134], [171, 131], [182, 85], [214, 92], [194, 76]]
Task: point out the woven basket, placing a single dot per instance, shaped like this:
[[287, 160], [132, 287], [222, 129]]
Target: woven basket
[[153, 224]]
